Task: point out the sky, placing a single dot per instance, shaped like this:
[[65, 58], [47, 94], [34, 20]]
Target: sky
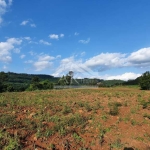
[[105, 39]]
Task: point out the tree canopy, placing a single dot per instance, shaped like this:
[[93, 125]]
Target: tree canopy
[[145, 81]]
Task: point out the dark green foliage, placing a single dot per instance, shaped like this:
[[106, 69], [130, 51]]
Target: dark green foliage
[[14, 82], [111, 83], [114, 110], [145, 81], [10, 88], [3, 78], [35, 80], [36, 85]]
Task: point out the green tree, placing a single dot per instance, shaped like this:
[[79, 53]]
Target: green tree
[[47, 84], [35, 79], [145, 81], [3, 78]]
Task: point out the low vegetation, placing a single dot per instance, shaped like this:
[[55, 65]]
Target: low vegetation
[[73, 119]]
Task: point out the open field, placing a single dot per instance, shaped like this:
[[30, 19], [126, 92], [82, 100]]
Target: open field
[[76, 119]]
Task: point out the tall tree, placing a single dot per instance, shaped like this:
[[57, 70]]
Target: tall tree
[[145, 81]]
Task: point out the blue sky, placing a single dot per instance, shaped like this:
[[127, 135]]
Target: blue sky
[[106, 39]]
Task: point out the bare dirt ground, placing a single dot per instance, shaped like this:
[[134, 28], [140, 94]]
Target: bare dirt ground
[[76, 119]]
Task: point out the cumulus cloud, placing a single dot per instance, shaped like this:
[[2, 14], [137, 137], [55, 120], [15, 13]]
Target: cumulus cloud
[[70, 63], [45, 58], [45, 42], [106, 61], [25, 22], [41, 65], [126, 76], [43, 62], [6, 48], [84, 41], [4, 5], [140, 58], [56, 36]]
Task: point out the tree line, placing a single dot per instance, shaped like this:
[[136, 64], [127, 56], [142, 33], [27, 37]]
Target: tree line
[[30, 84], [24, 82]]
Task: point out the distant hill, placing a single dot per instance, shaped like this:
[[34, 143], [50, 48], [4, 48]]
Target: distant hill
[[26, 78]]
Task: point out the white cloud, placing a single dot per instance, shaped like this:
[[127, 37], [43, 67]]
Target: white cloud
[[45, 58], [106, 61], [33, 25], [27, 38], [22, 56], [84, 41], [54, 36], [69, 64], [140, 58], [4, 5], [44, 42], [76, 33], [23, 23], [41, 65], [62, 35], [126, 76], [7, 47], [43, 62]]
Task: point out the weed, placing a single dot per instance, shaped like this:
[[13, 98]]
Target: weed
[[140, 139], [87, 107], [104, 117], [48, 132], [62, 131], [146, 116], [66, 110], [117, 144], [114, 110], [134, 122], [76, 137]]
